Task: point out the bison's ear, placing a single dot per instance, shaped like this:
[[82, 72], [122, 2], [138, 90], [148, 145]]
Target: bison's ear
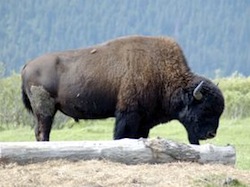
[[197, 91]]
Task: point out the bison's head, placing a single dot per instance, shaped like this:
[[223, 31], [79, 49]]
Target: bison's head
[[202, 106]]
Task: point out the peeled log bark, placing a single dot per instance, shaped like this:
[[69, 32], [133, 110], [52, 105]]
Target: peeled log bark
[[128, 151]]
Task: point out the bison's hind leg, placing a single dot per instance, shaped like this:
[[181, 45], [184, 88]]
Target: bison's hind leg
[[43, 106]]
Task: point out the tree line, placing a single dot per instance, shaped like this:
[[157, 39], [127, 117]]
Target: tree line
[[213, 34]]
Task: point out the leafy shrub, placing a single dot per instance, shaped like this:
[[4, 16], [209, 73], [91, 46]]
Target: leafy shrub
[[11, 111], [236, 90]]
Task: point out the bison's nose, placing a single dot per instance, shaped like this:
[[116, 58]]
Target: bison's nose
[[211, 134]]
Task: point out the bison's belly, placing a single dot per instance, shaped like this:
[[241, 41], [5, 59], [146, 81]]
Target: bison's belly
[[88, 107]]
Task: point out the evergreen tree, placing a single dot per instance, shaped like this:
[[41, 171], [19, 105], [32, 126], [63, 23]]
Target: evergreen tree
[[213, 34]]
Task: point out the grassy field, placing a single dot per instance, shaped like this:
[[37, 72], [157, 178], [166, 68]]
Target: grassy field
[[234, 132]]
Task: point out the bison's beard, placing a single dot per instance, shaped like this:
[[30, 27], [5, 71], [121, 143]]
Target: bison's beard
[[193, 138]]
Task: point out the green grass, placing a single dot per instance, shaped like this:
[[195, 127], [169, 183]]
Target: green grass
[[234, 132], [218, 181]]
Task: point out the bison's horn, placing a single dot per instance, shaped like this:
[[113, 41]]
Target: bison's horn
[[197, 91]]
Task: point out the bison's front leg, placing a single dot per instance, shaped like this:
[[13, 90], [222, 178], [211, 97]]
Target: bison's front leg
[[127, 125]]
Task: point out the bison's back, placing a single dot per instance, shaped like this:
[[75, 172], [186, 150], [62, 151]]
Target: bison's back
[[95, 81]]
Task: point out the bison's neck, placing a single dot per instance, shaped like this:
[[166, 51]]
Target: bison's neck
[[173, 92]]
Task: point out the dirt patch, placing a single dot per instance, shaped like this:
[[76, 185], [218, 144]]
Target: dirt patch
[[104, 173]]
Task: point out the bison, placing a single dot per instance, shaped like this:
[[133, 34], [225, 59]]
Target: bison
[[142, 81]]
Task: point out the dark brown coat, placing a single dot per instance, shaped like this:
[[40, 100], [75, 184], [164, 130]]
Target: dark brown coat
[[142, 81]]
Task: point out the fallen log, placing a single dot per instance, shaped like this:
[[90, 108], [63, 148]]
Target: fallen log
[[128, 151]]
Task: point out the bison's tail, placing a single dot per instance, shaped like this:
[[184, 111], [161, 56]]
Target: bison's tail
[[26, 100]]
